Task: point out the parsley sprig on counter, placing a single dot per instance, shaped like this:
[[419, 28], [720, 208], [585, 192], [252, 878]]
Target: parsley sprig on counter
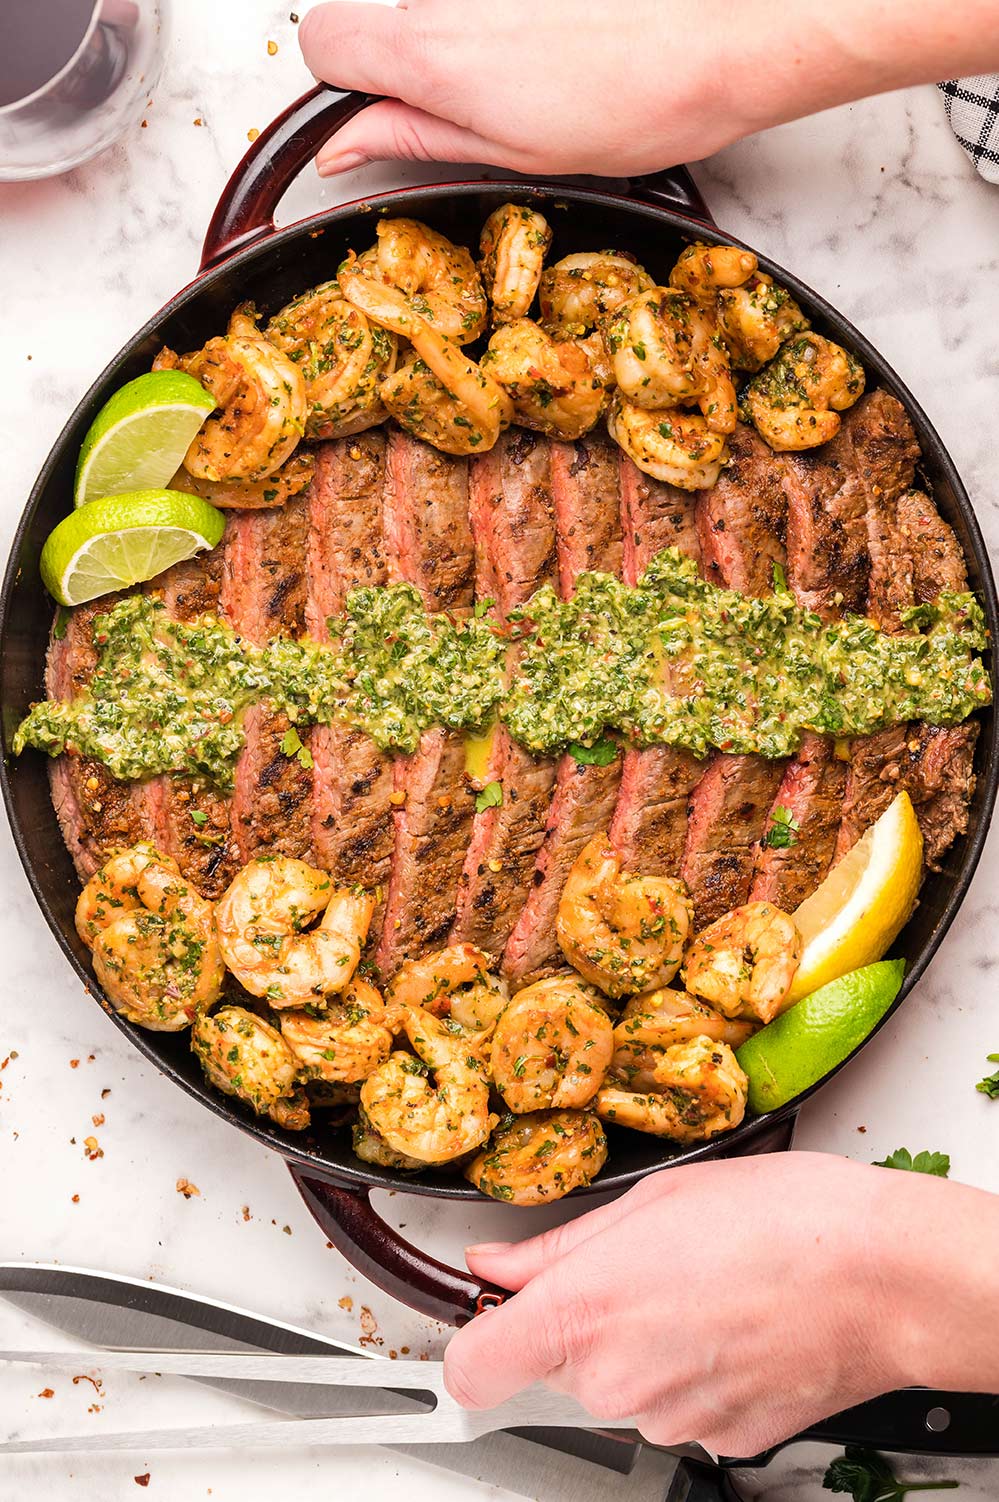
[[990, 1084], [937, 1164], [866, 1476]]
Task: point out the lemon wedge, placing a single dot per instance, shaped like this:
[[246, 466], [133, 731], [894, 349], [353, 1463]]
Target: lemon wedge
[[857, 912]]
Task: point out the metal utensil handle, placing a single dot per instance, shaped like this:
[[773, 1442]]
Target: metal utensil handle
[[245, 212], [388, 1260]]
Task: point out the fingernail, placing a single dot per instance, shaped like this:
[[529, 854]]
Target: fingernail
[[339, 161], [488, 1248]]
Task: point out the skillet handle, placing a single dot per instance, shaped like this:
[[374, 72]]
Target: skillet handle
[[244, 214], [392, 1263]]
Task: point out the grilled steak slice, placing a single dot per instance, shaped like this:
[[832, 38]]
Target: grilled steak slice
[[937, 562], [726, 817], [837, 497], [204, 850], [940, 782], [96, 814], [429, 543], [513, 523], [742, 521], [811, 790], [588, 524], [585, 487], [654, 516], [352, 826], [264, 595], [650, 820], [877, 767]]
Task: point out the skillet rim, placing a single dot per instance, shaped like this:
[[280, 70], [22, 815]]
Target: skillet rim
[[351, 1174]]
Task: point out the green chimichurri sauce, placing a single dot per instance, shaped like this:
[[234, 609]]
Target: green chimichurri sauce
[[672, 660]]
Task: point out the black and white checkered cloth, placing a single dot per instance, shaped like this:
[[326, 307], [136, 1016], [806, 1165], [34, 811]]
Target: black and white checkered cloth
[[972, 106]]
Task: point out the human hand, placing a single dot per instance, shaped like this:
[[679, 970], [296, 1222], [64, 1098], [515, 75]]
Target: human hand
[[735, 1303], [618, 90]]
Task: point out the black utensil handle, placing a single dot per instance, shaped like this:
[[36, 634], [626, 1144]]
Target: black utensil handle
[[918, 1421], [245, 212]]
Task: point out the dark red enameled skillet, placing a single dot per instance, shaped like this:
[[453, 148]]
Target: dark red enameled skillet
[[245, 257]]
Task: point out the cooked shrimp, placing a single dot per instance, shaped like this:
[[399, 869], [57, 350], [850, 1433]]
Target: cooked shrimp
[[346, 1042], [153, 937], [675, 447], [439, 278], [622, 932], [795, 401], [294, 476], [543, 1156], [699, 1091], [557, 387], [113, 890], [651, 352], [462, 414], [431, 1122], [243, 1055], [551, 1046], [262, 918], [454, 982], [343, 359], [745, 962], [514, 243], [261, 394], [371, 1148], [652, 1023], [755, 320], [703, 270], [580, 292]]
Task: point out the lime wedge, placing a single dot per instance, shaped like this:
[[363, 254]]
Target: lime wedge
[[799, 1048], [140, 435], [121, 540]]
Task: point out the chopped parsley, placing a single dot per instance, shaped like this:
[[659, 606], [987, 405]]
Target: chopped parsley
[[783, 831], [490, 797]]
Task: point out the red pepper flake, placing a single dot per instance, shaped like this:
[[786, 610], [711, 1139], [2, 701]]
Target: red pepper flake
[[186, 1188], [198, 120], [94, 1382], [76, 1199], [74, 1063], [98, 1120], [141, 1480], [46, 1392], [105, 1092], [246, 1213]]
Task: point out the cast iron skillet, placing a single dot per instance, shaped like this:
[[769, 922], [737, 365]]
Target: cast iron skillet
[[246, 258]]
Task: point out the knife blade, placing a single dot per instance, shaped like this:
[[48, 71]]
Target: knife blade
[[122, 1313]]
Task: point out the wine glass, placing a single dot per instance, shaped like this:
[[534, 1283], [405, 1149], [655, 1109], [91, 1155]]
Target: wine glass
[[74, 75]]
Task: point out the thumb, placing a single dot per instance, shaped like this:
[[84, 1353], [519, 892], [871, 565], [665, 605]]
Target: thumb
[[394, 132], [514, 1264]]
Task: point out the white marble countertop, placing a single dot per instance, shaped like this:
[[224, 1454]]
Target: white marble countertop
[[873, 205]]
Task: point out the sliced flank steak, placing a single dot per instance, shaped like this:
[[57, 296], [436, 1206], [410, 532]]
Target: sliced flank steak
[[96, 814], [586, 495], [811, 795], [429, 543], [513, 524], [742, 520], [650, 818], [264, 595], [352, 825]]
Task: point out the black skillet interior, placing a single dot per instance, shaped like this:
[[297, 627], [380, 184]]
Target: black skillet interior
[[269, 275]]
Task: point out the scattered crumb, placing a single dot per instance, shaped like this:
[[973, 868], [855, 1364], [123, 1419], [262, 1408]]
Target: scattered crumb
[[141, 1480], [404, 1350], [186, 1188], [346, 1303], [198, 120], [397, 798], [286, 1230], [293, 18], [91, 1148], [252, 134], [98, 1120], [94, 1381], [91, 1057], [329, 1246], [272, 48], [246, 1213], [46, 1392], [96, 1408], [145, 123], [76, 1199], [369, 1325], [861, 1130], [74, 1063], [393, 1355], [105, 1092]]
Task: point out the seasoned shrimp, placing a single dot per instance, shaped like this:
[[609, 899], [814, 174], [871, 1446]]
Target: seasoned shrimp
[[551, 1046], [651, 351], [261, 394], [580, 292], [346, 1042], [699, 1091], [652, 1023], [439, 278], [261, 919], [371, 1148], [755, 320], [675, 447], [433, 1123], [243, 1055], [622, 932], [514, 243], [343, 359], [454, 982], [795, 401], [463, 414], [703, 270], [557, 387], [113, 890], [294, 476], [540, 1157], [745, 962], [153, 937]]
